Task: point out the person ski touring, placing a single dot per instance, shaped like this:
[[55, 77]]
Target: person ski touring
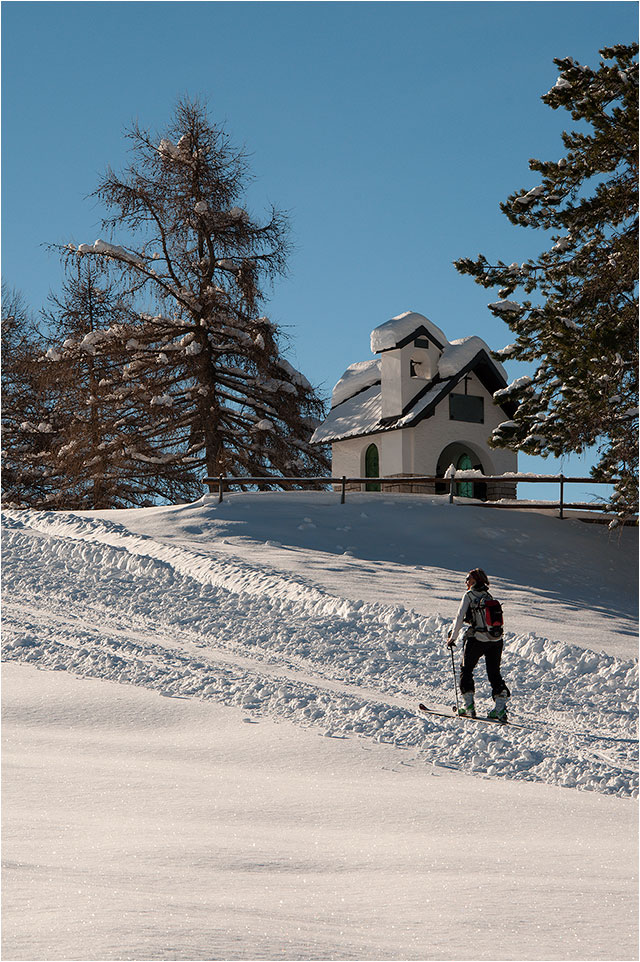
[[480, 638]]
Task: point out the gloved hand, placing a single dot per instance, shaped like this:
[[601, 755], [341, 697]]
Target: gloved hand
[[450, 644]]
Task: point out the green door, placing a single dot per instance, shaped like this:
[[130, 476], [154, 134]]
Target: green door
[[372, 467], [464, 488]]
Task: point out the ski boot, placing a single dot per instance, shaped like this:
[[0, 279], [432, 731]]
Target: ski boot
[[468, 709], [499, 711]]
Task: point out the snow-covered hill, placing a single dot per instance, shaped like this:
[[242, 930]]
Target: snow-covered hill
[[197, 601], [331, 619]]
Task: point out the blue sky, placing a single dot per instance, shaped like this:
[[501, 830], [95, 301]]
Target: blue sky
[[389, 131]]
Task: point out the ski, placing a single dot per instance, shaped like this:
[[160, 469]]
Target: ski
[[478, 718]]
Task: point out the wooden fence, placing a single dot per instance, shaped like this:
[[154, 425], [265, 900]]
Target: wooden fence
[[224, 482]]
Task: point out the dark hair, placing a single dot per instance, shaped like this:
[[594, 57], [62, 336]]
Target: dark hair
[[479, 577]]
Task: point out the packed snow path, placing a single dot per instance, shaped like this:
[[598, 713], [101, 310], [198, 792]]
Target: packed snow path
[[87, 595]]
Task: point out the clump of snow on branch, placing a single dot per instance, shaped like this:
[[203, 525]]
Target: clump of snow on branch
[[265, 425], [505, 307], [517, 385]]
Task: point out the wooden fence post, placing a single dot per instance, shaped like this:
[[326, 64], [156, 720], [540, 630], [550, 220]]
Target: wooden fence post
[[562, 496], [451, 483], [220, 487], [344, 488]]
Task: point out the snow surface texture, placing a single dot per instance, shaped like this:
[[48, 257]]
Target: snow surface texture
[[353, 416], [196, 602], [356, 378], [140, 827]]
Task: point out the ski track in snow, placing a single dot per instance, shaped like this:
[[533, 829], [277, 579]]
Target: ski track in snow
[[87, 596]]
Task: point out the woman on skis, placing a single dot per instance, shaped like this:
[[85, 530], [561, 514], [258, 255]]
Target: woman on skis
[[478, 641]]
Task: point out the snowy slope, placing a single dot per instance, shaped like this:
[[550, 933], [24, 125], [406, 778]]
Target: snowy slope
[[192, 601], [140, 827], [284, 800], [567, 581]]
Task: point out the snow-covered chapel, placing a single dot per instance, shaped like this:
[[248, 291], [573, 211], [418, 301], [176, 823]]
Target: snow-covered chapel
[[426, 403]]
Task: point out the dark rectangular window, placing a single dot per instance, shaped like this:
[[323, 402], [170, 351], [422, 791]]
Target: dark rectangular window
[[466, 407], [421, 342]]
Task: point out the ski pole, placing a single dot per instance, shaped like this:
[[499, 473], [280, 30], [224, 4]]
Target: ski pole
[[455, 684]]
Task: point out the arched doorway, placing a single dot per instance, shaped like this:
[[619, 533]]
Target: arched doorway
[[464, 489], [372, 467], [463, 457]]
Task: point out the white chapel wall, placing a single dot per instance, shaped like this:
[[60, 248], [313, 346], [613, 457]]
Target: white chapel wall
[[395, 453], [433, 434], [417, 450], [345, 457], [394, 449]]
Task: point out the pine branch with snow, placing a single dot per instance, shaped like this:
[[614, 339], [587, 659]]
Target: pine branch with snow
[[580, 334], [108, 451]]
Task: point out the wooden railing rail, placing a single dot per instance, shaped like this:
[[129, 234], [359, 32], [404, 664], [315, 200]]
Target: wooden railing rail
[[223, 482]]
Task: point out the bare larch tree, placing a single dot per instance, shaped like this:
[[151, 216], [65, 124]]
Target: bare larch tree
[[201, 359]]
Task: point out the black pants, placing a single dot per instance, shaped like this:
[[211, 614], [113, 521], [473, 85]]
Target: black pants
[[472, 651]]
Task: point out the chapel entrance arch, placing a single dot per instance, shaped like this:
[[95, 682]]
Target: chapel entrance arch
[[464, 457]]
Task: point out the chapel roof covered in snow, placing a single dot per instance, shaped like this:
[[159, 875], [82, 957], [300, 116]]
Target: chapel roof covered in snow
[[356, 378], [356, 401], [401, 329]]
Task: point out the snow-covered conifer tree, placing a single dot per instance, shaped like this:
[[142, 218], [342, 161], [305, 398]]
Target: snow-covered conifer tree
[[195, 262], [109, 449], [581, 331], [27, 410]]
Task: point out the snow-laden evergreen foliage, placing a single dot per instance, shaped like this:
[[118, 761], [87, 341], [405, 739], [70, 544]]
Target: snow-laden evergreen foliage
[[28, 429], [201, 360], [109, 450], [581, 331]]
